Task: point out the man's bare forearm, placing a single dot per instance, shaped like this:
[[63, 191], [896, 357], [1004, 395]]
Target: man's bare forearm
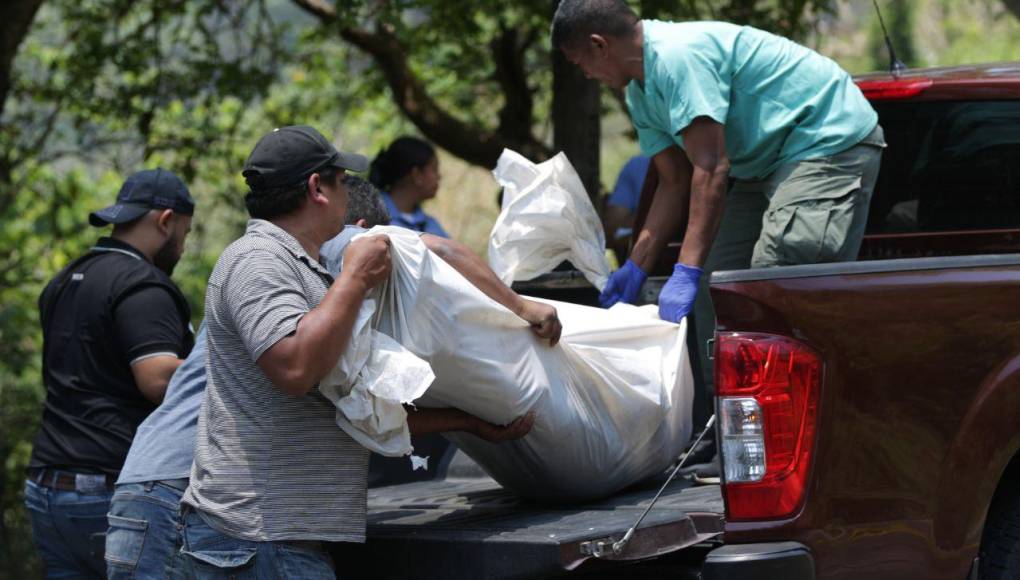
[[664, 218], [706, 150], [425, 421], [708, 196], [298, 362], [327, 328], [472, 267]]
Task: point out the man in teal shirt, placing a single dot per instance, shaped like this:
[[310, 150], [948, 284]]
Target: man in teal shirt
[[714, 104]]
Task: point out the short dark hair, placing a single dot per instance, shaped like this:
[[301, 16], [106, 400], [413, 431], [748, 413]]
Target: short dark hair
[[365, 203], [577, 19], [398, 160], [266, 204]]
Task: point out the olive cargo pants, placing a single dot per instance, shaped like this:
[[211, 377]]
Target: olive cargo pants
[[807, 212]]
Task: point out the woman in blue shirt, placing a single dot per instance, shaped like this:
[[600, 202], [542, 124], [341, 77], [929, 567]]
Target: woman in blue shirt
[[407, 173]]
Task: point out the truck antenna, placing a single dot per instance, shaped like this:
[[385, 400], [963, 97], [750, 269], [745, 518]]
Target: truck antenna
[[896, 67]]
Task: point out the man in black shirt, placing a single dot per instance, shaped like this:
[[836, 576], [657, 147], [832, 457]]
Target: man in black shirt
[[115, 328]]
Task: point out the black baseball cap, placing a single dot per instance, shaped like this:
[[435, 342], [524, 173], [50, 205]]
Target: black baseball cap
[[143, 191], [288, 155]]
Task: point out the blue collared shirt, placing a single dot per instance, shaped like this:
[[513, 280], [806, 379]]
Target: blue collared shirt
[[627, 192], [163, 447], [417, 220]]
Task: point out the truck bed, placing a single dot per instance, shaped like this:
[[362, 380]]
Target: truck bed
[[470, 527], [463, 525]]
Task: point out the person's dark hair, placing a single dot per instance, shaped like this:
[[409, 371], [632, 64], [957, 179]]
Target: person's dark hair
[[365, 203], [577, 19], [267, 204], [398, 160]]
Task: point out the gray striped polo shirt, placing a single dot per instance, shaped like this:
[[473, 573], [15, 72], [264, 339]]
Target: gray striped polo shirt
[[269, 466]]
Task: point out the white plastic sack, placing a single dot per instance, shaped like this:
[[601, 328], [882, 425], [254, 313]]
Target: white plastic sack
[[546, 218], [613, 399], [370, 384]]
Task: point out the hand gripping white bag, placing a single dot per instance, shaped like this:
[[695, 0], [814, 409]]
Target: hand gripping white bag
[[612, 400], [546, 218]]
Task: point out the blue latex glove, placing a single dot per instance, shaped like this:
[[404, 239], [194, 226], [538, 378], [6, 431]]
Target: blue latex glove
[[678, 294], [623, 285]]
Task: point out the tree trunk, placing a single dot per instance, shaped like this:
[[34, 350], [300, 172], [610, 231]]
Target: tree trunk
[[15, 19], [5, 542], [1013, 6], [576, 121]]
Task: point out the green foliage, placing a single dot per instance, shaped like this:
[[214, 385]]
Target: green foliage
[[926, 33], [462, 73], [103, 88], [899, 22], [790, 18], [49, 230], [977, 31]]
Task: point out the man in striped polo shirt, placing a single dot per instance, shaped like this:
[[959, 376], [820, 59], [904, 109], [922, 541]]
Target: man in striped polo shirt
[[274, 477]]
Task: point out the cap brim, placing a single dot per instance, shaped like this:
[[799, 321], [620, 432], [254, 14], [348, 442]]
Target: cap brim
[[351, 162], [118, 213]]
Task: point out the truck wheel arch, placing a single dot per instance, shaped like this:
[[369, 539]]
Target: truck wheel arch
[[1000, 539], [982, 460]]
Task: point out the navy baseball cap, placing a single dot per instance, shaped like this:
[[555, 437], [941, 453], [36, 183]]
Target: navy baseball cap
[[288, 155], [143, 191]]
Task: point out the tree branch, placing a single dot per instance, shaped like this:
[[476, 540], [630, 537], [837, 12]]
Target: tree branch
[[1013, 6], [468, 142]]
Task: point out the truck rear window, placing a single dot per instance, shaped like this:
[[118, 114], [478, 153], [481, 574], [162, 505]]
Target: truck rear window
[[950, 166]]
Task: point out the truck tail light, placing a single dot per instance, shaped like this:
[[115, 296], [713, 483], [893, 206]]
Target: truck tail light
[[768, 388], [893, 90]]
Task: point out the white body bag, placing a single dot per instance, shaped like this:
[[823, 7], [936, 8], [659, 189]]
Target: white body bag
[[612, 399], [546, 218]]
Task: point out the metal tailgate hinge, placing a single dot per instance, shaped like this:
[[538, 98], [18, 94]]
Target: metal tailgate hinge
[[599, 549]]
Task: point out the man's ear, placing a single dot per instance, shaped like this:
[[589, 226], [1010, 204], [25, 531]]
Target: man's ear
[[163, 221], [598, 44], [315, 193], [362, 223]]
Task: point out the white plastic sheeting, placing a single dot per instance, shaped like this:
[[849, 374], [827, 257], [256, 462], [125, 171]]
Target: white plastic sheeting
[[369, 385], [613, 399], [546, 218]]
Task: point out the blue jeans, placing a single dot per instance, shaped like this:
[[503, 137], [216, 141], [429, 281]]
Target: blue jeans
[[144, 532], [69, 530], [208, 554]]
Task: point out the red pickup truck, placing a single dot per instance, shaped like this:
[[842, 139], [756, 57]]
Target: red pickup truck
[[869, 411], [886, 392]]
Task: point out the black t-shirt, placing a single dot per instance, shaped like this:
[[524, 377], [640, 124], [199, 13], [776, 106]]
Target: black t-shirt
[[106, 309]]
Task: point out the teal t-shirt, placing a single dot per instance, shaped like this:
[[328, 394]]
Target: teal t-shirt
[[779, 101]]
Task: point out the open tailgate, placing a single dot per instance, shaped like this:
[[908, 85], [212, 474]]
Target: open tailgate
[[472, 528]]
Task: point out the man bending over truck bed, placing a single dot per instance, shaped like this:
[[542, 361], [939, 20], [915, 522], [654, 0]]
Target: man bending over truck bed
[[712, 103]]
